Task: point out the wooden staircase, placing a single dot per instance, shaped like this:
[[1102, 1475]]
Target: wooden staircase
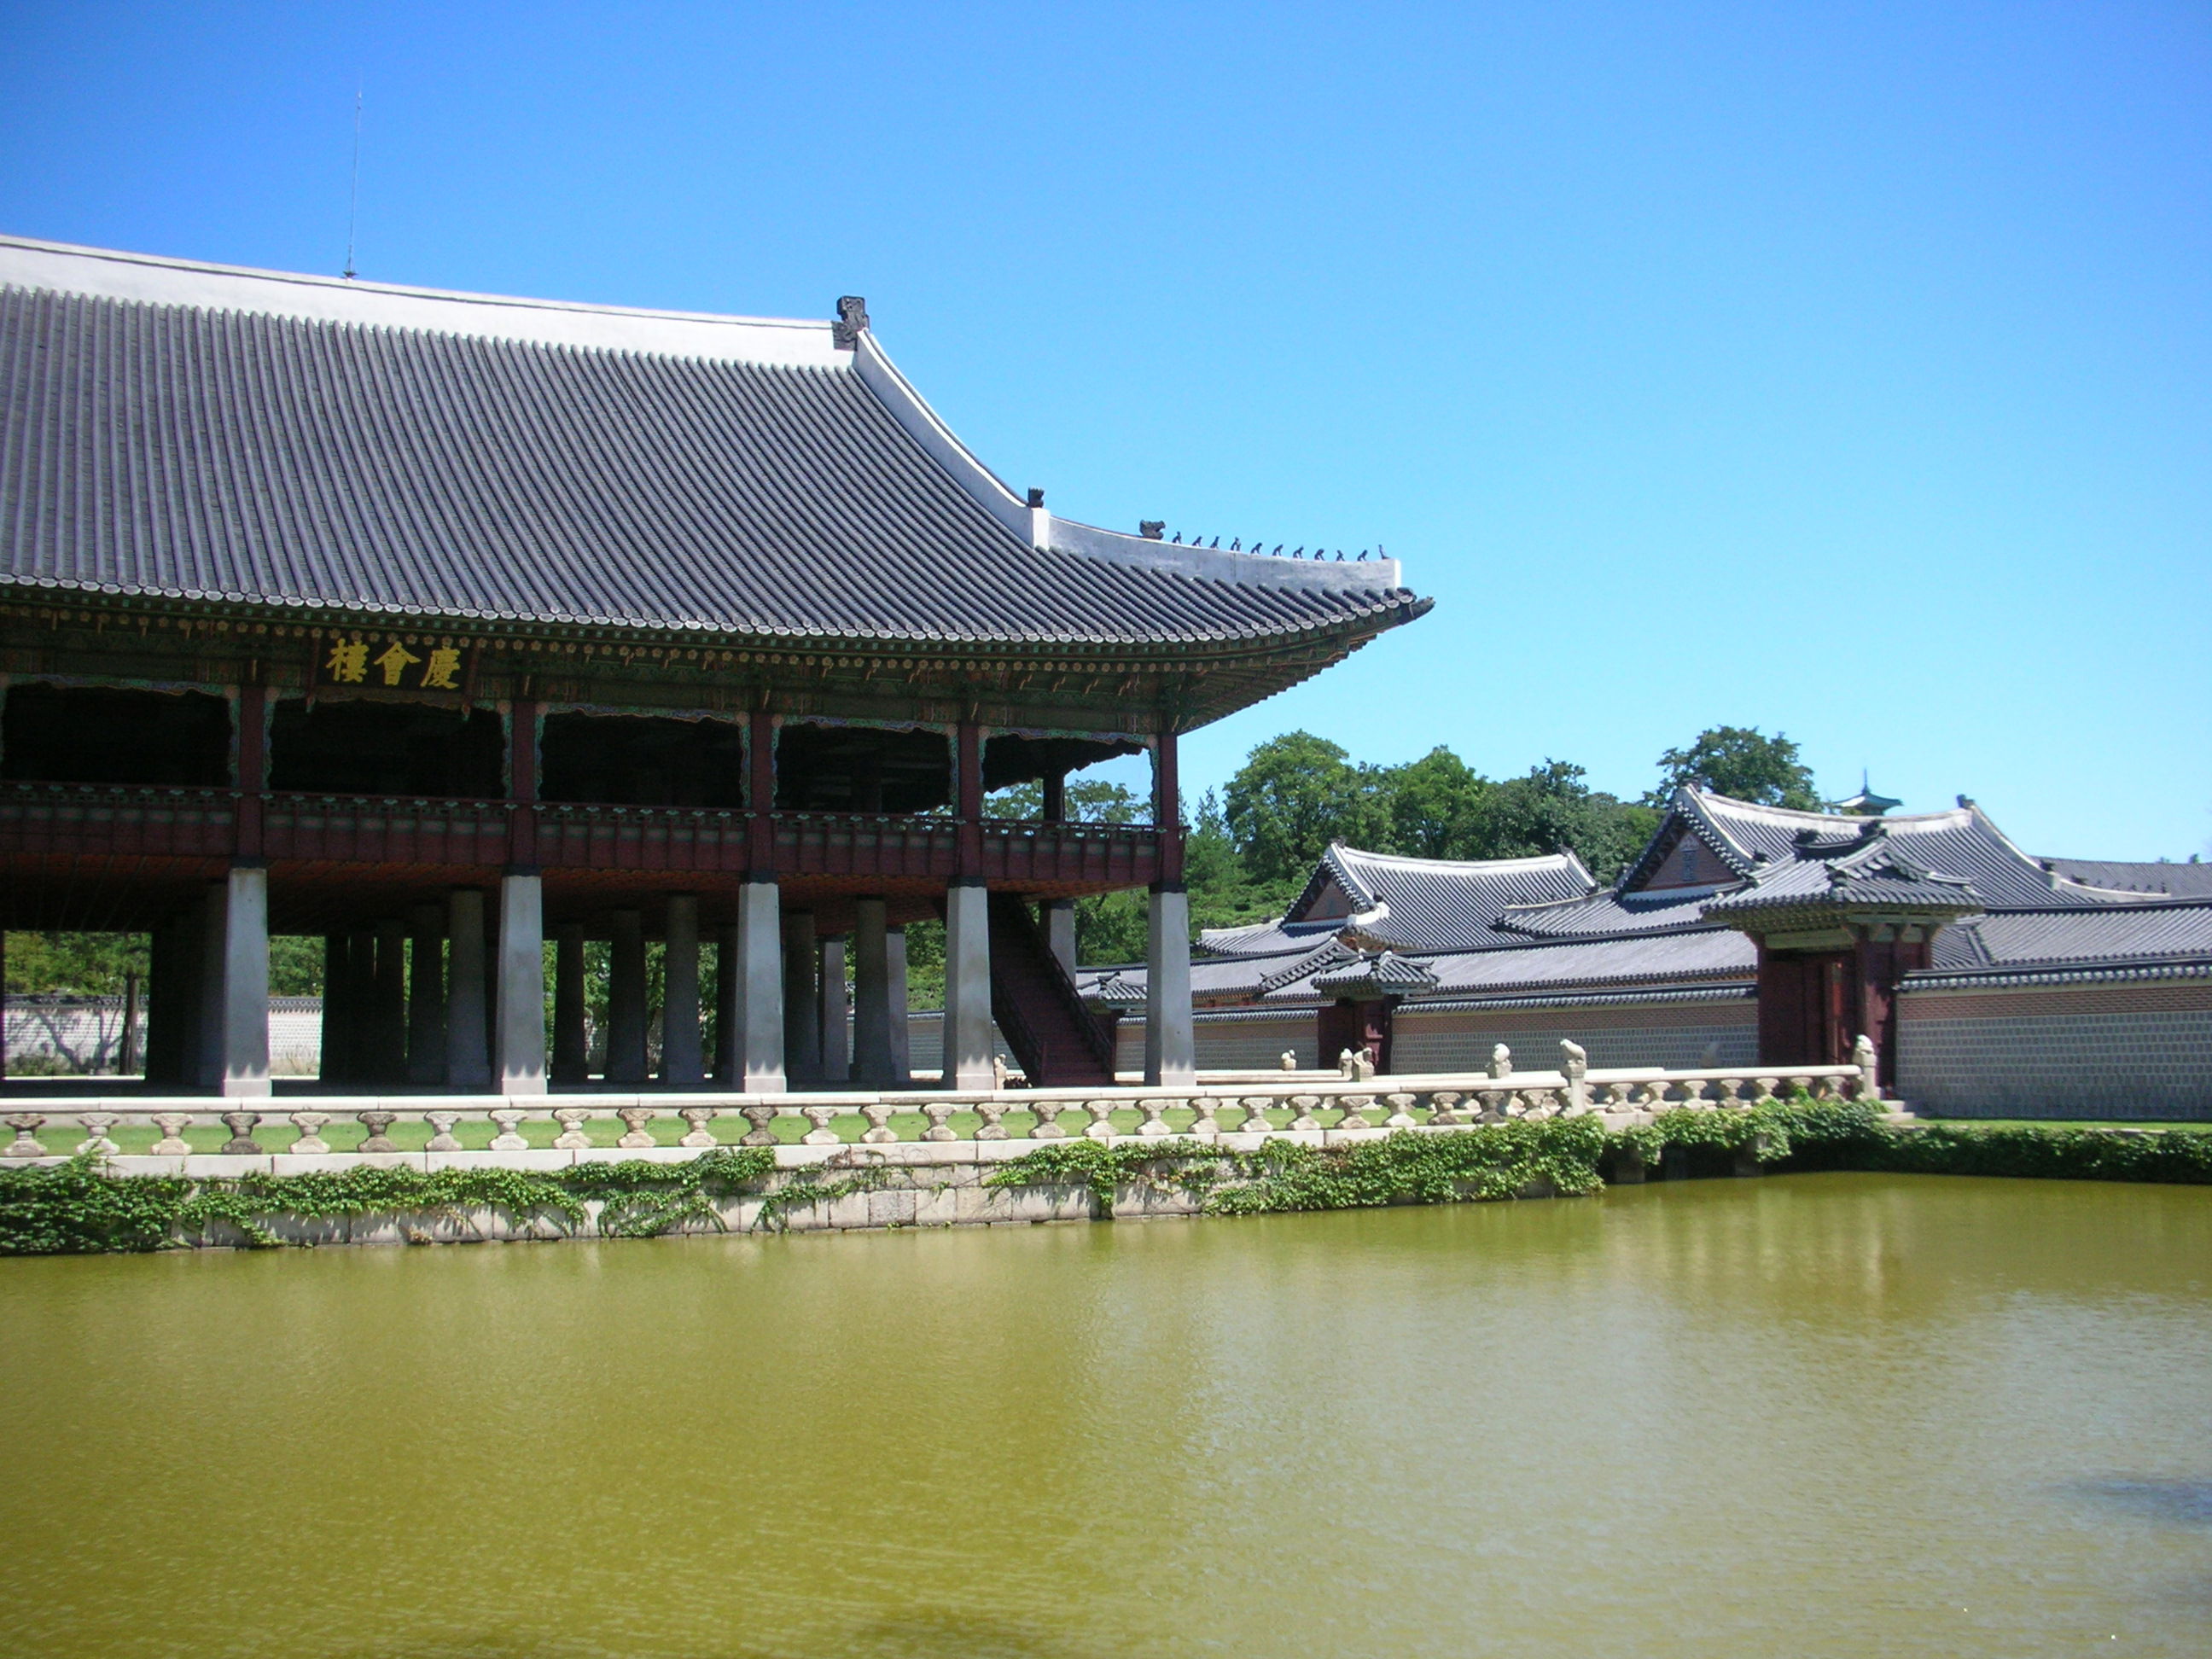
[[1059, 1041]]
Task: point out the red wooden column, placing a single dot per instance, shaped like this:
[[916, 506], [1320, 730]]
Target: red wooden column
[[522, 784], [968, 773], [253, 769], [760, 796]]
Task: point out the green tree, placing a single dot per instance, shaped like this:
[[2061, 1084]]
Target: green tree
[[1736, 761], [1433, 806], [1293, 795], [1551, 810]]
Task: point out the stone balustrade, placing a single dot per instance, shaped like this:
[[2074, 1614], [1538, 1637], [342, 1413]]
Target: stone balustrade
[[449, 1130]]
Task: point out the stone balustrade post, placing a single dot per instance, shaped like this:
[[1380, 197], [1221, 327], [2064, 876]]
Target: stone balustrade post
[[1402, 1112], [1101, 1113], [762, 1120], [508, 1119], [572, 1137], [1256, 1115], [991, 1114], [442, 1138], [821, 1134], [172, 1126], [936, 1111], [879, 1130], [96, 1143], [1048, 1121], [1353, 1110], [1204, 1124], [1869, 1060], [1153, 1110], [695, 1119], [1574, 1066], [241, 1142], [637, 1126], [1444, 1108], [308, 1142], [25, 1143], [378, 1124]]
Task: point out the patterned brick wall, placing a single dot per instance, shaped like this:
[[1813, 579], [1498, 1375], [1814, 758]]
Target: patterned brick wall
[[2106, 1051]]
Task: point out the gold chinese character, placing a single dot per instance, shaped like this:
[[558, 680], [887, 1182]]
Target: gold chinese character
[[438, 676], [396, 659], [349, 661]]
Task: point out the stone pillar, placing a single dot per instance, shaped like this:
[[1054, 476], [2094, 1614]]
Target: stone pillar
[[245, 983], [386, 1028], [426, 994], [836, 1052], [571, 1054], [1170, 1048], [521, 1036], [895, 996], [207, 1028], [682, 1065], [1060, 932], [626, 1009], [468, 1050], [760, 988], [802, 1022], [968, 1045], [872, 1009], [729, 1008]]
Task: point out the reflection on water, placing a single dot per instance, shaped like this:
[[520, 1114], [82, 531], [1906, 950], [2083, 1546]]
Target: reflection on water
[[1820, 1414]]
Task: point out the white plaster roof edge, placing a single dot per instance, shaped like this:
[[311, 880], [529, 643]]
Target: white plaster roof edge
[[153, 279]]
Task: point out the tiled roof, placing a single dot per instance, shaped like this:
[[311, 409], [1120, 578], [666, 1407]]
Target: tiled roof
[[1384, 974], [1611, 912], [1961, 842], [2176, 880], [2093, 972], [1411, 904], [1719, 952], [2051, 936], [193, 432], [1874, 874]]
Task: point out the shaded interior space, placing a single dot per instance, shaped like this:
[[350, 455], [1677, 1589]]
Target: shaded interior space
[[365, 748], [641, 761], [861, 769], [86, 734], [1013, 759]]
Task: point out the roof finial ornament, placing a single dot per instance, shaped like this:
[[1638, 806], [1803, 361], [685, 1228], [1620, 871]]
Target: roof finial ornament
[[852, 318], [1036, 498], [1152, 529]]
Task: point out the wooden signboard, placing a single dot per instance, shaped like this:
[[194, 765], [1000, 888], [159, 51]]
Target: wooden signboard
[[420, 664]]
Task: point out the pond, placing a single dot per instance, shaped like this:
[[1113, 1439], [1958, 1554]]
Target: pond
[[1808, 1414]]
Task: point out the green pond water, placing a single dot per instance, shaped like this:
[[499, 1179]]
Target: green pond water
[[1801, 1415]]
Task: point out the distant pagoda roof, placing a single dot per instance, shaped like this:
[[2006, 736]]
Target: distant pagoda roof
[[182, 431]]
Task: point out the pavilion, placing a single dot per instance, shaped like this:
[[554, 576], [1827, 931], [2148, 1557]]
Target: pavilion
[[440, 625]]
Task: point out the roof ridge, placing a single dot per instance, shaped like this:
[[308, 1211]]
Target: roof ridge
[[161, 280]]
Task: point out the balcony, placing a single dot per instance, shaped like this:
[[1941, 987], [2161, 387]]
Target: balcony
[[147, 821]]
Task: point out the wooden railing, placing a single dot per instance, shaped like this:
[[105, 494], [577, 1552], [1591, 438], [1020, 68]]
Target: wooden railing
[[151, 821]]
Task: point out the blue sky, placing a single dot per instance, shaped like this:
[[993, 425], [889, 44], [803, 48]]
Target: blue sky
[[1839, 369]]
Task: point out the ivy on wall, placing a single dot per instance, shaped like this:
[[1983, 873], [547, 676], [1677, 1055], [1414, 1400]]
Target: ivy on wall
[[74, 1208]]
